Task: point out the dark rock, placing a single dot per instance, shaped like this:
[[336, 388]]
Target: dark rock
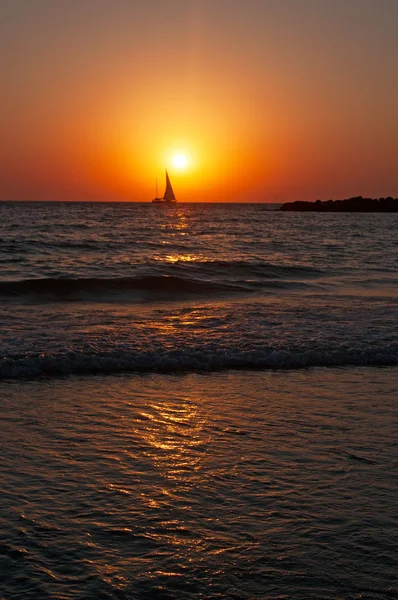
[[355, 204]]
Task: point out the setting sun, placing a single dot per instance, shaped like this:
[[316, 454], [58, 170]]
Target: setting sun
[[180, 161]]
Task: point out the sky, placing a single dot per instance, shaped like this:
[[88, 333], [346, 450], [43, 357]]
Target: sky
[[269, 100]]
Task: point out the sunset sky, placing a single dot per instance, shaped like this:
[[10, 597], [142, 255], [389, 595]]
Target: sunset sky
[[269, 100]]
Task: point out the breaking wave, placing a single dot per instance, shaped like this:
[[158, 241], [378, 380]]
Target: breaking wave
[[193, 360]]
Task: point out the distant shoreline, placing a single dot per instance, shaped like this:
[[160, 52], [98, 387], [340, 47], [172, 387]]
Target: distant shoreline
[[356, 204]]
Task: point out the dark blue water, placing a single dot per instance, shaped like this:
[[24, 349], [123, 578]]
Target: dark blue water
[[197, 401]]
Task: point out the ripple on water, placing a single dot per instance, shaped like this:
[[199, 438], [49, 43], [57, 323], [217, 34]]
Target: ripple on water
[[234, 485]]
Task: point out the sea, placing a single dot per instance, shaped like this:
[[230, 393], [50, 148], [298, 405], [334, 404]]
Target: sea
[[197, 401]]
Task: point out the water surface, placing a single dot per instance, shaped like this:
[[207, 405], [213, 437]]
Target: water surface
[[197, 401], [229, 485], [118, 287]]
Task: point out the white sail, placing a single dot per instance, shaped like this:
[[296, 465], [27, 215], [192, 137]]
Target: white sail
[[168, 194]]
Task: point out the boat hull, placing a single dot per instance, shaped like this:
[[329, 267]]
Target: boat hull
[[161, 201]]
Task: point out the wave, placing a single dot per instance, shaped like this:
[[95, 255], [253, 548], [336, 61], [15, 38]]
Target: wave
[[192, 360], [100, 288], [249, 269], [192, 278]]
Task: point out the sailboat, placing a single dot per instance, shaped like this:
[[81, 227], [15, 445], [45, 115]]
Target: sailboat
[[168, 197]]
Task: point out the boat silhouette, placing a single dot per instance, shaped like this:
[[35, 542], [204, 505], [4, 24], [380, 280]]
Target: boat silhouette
[[168, 196]]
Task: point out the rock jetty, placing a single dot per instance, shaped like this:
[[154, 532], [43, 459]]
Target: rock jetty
[[357, 204]]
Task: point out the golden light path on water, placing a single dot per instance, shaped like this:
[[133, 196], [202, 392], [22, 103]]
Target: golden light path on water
[[174, 258], [170, 486], [169, 435]]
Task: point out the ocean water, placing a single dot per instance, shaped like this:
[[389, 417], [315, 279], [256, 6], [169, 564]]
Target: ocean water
[[139, 287], [197, 401]]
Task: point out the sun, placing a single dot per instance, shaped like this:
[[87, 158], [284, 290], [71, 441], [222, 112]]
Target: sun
[[180, 161]]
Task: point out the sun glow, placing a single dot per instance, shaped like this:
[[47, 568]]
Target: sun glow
[[180, 161]]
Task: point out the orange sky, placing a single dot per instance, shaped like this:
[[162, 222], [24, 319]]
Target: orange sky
[[272, 100]]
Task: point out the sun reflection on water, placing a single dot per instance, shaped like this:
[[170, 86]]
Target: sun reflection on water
[[185, 323], [178, 221], [174, 439], [174, 258]]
